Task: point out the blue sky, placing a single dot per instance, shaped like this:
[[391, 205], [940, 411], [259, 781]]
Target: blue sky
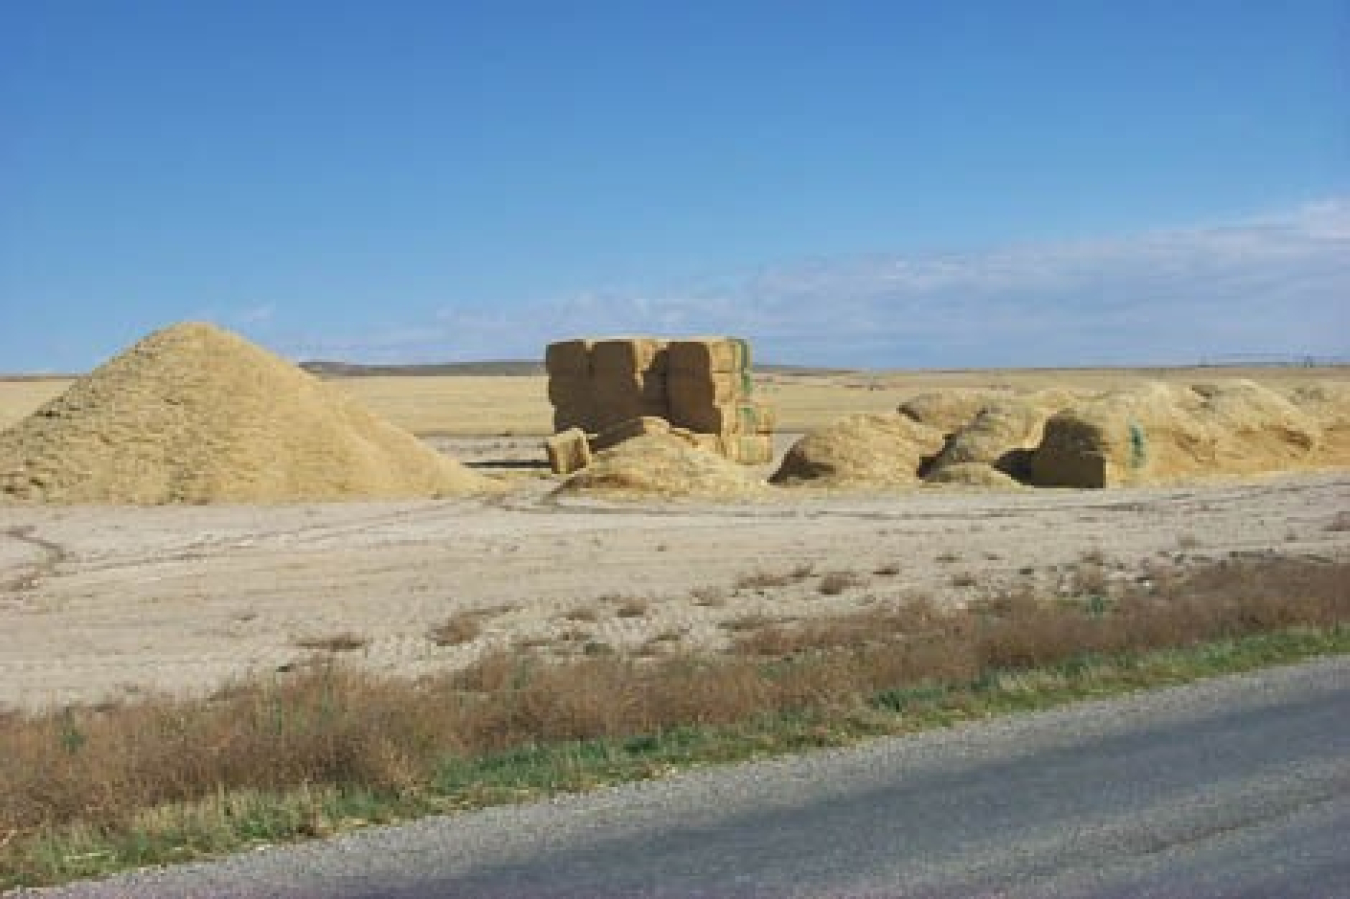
[[890, 184]]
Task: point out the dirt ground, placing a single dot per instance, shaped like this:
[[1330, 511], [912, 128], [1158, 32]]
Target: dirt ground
[[106, 602], [98, 603]]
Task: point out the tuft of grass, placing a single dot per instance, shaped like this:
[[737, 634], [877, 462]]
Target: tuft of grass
[[1090, 579], [462, 627], [86, 790], [633, 607], [1188, 541], [589, 614], [709, 597], [836, 582], [767, 580], [343, 642]]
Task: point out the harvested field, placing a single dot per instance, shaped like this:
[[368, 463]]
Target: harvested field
[[515, 405], [115, 602], [111, 601]]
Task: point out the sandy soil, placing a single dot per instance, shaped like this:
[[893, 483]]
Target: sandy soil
[[104, 602]]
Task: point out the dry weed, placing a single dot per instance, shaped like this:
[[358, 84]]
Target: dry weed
[[709, 597], [343, 642], [836, 582], [633, 607], [326, 726], [462, 627]]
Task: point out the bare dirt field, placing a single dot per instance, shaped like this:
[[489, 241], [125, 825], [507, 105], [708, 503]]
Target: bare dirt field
[[114, 601], [101, 602]]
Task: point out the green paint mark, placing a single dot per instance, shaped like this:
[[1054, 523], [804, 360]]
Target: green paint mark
[[1138, 446]]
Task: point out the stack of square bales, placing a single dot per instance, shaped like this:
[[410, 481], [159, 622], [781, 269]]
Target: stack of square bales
[[709, 391], [702, 387]]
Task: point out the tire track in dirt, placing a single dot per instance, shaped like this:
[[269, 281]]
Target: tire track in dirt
[[53, 554]]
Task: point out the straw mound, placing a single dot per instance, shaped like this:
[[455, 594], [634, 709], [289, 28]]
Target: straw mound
[[971, 474], [1255, 429], [877, 449], [1329, 405], [662, 464], [194, 414], [1001, 435], [1327, 402], [1159, 433], [948, 410]]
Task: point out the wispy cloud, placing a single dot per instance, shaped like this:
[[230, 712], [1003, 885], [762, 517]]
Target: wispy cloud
[[1276, 284], [254, 315]]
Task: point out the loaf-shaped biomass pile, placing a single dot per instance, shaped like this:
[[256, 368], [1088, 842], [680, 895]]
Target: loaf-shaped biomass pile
[[702, 386]]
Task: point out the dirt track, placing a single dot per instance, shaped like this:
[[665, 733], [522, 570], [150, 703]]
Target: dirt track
[[106, 602]]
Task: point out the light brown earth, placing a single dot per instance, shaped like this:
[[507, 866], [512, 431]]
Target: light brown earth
[[107, 602], [99, 602]]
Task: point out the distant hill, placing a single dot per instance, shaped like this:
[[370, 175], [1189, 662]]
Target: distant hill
[[327, 369]]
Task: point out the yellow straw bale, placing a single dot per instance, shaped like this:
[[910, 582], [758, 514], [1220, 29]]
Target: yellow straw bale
[[628, 355], [568, 451], [568, 357], [701, 355]]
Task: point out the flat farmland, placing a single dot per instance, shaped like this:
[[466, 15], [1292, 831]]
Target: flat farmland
[[506, 405], [117, 602]]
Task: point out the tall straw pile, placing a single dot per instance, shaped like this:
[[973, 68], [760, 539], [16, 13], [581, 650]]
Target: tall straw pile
[[702, 386], [194, 414]]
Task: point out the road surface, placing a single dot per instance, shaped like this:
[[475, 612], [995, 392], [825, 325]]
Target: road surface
[[1233, 787]]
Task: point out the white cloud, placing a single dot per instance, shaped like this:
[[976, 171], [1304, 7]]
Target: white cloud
[[1276, 284]]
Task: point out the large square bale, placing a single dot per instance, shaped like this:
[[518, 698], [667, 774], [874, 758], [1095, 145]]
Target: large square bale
[[700, 355], [629, 355], [568, 357]]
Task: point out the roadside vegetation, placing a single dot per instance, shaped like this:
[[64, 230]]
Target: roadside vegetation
[[88, 790]]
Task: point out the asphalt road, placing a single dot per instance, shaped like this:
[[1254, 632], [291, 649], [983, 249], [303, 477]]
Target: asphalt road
[[1234, 787]]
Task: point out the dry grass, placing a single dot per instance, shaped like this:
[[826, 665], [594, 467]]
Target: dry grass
[[343, 642], [105, 769], [633, 607], [836, 582], [708, 597], [769, 580], [588, 613], [1188, 541], [462, 627]]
